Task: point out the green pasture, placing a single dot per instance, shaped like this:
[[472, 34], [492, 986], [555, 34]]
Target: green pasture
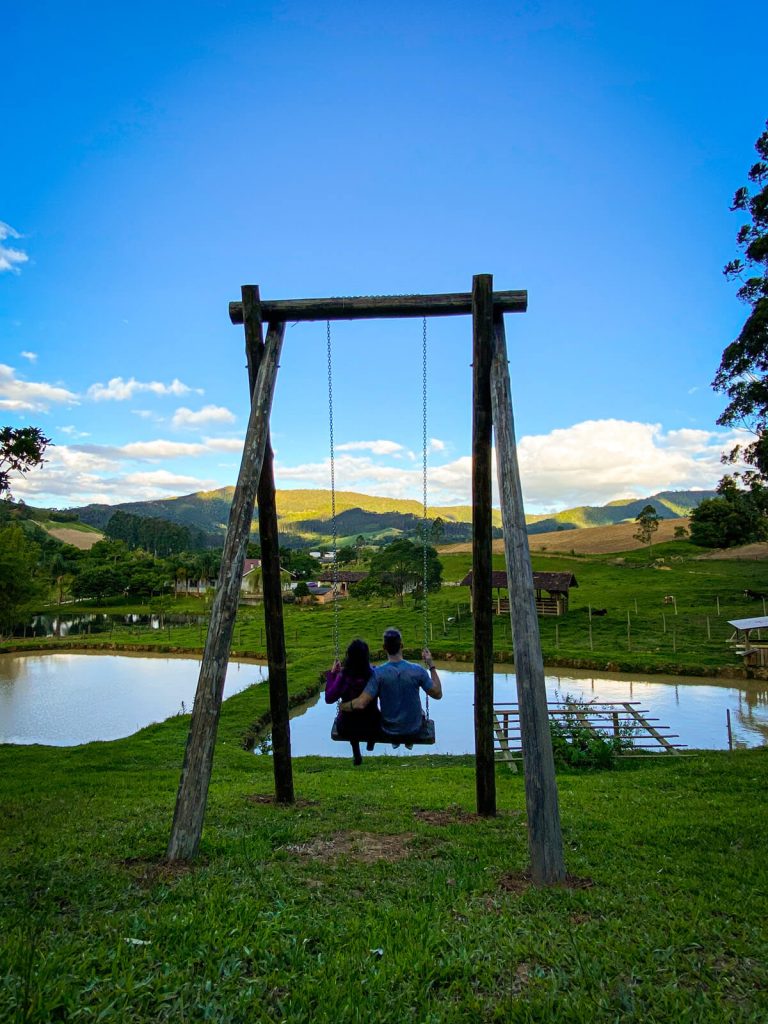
[[638, 632]]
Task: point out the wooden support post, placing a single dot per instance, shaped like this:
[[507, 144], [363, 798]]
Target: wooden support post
[[482, 536], [198, 758], [270, 572], [545, 840]]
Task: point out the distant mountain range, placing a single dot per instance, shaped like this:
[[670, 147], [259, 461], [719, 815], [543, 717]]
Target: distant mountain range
[[305, 515]]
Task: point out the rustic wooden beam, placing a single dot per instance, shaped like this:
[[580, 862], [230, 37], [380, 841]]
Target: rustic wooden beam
[[198, 758], [545, 841], [270, 572], [365, 307], [482, 540]]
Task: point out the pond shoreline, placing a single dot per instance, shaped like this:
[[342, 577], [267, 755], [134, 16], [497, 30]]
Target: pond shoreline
[[449, 657]]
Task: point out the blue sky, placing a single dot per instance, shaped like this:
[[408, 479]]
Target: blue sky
[[157, 156]]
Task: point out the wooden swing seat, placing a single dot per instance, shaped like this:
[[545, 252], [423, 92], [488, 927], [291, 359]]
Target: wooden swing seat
[[425, 736]]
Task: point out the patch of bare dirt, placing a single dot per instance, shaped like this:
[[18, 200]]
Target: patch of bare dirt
[[360, 846], [150, 872], [521, 881], [451, 816], [455, 816], [77, 538], [269, 798]]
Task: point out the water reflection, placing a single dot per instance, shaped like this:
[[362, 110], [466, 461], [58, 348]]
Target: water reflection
[[694, 709], [68, 624], [63, 699]]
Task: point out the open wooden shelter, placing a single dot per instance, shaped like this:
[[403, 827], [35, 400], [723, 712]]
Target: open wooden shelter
[[551, 591], [491, 410]]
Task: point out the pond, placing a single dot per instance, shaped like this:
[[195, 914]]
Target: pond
[[64, 699], [693, 708]]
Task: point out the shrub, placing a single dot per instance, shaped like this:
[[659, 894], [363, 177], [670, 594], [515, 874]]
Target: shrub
[[575, 745]]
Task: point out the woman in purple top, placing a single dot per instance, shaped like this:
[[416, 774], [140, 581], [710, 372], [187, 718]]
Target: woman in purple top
[[344, 683]]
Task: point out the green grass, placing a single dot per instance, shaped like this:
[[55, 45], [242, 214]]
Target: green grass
[[290, 914], [668, 924]]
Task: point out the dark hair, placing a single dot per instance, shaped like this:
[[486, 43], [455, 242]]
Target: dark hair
[[357, 662], [393, 641]]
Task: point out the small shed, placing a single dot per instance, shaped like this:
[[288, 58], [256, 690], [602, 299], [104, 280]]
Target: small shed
[[346, 578], [748, 642], [552, 590]]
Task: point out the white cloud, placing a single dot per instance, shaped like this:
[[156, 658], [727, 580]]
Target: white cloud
[[602, 460], [162, 480], [31, 356], [224, 444], [73, 432], [184, 417], [354, 473], [73, 476], [23, 395], [119, 390], [375, 447], [159, 449], [10, 258], [589, 463], [435, 445]]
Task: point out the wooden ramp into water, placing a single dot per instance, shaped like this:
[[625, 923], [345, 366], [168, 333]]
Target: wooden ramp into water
[[623, 721]]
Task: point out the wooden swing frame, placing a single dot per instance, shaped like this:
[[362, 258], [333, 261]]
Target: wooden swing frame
[[491, 409]]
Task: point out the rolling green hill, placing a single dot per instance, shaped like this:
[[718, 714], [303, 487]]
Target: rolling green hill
[[304, 515], [668, 505]]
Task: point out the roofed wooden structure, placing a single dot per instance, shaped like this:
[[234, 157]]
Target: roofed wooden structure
[[748, 642], [552, 589]]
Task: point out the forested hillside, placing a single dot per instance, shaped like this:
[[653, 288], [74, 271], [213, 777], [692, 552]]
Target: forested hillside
[[305, 515]]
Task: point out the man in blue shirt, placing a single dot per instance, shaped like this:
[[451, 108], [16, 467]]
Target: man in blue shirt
[[397, 684]]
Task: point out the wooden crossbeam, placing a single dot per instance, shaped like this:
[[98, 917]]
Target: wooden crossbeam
[[373, 307]]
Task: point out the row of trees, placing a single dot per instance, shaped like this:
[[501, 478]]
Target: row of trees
[[159, 536]]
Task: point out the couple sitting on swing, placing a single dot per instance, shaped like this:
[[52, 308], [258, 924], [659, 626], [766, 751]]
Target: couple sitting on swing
[[398, 718]]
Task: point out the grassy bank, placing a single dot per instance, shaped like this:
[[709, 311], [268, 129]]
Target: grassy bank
[[379, 896]]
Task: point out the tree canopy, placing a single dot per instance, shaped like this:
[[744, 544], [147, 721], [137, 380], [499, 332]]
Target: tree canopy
[[20, 583], [647, 521], [21, 449], [399, 569], [736, 516], [743, 371]]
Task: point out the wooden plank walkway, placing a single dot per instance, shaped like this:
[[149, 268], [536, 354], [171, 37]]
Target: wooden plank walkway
[[610, 720]]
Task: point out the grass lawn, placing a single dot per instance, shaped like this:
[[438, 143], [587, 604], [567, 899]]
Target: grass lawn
[[379, 896]]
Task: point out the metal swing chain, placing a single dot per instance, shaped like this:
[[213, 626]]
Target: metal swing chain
[[425, 603], [335, 568]]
